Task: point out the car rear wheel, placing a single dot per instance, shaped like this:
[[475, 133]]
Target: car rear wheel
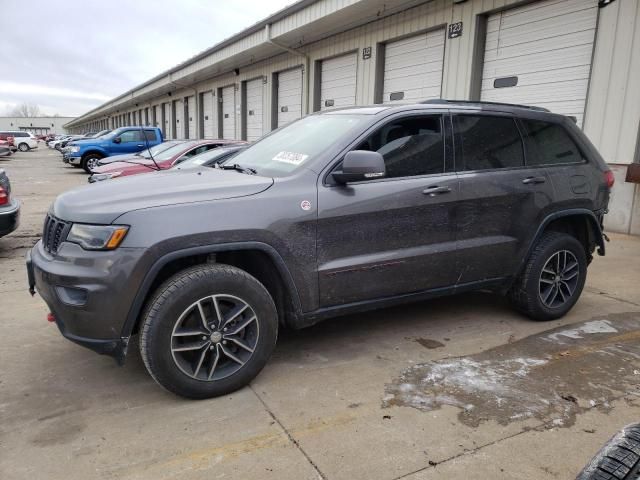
[[89, 162], [23, 147], [208, 331], [552, 279]]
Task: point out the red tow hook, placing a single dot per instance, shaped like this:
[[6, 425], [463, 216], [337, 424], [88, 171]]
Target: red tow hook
[[51, 317]]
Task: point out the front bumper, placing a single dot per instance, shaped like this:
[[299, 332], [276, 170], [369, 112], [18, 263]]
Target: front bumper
[[89, 293], [9, 218]]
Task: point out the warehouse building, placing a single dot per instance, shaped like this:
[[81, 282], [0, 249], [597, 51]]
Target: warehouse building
[[36, 125], [574, 57]]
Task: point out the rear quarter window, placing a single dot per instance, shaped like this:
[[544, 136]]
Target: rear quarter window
[[549, 144]]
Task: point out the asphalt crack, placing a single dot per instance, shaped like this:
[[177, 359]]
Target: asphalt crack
[[291, 438]]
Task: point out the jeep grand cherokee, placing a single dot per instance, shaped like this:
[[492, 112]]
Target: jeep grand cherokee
[[339, 212]]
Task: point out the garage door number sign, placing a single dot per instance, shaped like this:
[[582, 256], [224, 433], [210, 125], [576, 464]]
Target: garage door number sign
[[455, 30]]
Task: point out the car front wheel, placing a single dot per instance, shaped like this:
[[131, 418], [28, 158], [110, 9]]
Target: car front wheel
[[552, 279], [23, 147], [208, 331], [89, 162]]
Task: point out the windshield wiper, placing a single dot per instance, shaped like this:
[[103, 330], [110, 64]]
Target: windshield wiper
[[238, 168]]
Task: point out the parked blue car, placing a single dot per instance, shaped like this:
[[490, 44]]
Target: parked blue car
[[87, 153]]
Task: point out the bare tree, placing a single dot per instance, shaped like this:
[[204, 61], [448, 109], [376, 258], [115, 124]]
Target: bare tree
[[25, 110]]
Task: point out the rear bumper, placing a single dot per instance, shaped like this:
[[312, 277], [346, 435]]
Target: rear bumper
[[9, 218]]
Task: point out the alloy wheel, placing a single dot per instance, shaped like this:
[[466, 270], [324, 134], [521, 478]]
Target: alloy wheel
[[559, 279], [214, 337], [92, 163]]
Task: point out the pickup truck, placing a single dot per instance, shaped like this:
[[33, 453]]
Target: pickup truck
[[87, 153]]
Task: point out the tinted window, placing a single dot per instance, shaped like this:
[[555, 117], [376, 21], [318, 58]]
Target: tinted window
[[150, 134], [548, 144], [410, 147], [131, 136], [486, 142]]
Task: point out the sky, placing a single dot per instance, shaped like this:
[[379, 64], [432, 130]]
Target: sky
[[69, 56]]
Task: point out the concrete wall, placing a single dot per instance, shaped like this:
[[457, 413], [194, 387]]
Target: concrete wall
[[37, 125]]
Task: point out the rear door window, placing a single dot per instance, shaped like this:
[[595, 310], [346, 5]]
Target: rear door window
[[485, 142], [150, 135], [549, 144], [131, 136]]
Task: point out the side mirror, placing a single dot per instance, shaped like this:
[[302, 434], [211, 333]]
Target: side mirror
[[360, 165], [117, 140]]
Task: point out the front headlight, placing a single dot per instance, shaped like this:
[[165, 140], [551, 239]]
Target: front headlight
[[74, 149], [97, 237]]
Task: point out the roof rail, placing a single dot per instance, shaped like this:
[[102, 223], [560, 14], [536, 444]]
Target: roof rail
[[472, 102]]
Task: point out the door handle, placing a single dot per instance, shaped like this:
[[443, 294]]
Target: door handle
[[534, 180], [141, 146], [436, 190]]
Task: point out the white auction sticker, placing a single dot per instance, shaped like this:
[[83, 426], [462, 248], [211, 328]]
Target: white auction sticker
[[305, 205], [290, 157]]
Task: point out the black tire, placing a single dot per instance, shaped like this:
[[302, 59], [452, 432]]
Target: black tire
[[169, 305], [23, 147], [619, 459], [526, 293], [91, 161]]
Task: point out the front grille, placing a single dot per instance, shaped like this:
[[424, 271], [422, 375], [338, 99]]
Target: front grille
[[55, 232]]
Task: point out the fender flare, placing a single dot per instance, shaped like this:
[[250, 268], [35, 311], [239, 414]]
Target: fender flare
[[93, 150], [572, 212], [152, 273]]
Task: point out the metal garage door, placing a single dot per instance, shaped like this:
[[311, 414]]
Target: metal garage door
[[166, 127], [253, 109], [207, 115], [289, 96], [338, 81], [178, 106], [229, 112], [413, 67], [540, 54], [191, 115]]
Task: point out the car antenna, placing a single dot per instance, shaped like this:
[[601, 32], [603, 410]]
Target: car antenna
[[146, 142]]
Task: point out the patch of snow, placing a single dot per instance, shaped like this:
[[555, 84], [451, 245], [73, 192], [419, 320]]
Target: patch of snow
[[587, 328]]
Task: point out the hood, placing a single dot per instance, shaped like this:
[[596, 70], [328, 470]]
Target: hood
[[103, 202], [132, 157], [139, 164], [86, 141]]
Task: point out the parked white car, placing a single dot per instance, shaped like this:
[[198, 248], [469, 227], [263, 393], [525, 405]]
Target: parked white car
[[24, 141]]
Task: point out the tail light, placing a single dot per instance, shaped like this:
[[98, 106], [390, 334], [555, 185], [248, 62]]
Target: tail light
[[609, 179], [4, 197]]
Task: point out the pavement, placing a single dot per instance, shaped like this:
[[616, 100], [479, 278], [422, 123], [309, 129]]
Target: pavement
[[460, 387]]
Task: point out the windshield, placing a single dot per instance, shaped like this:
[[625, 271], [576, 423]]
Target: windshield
[[173, 151], [285, 150], [155, 150], [208, 156]]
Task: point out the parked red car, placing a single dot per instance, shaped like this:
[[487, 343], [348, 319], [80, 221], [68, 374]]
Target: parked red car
[[10, 139], [5, 148], [163, 161]]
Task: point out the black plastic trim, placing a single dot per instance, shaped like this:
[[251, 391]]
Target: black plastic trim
[[138, 302]]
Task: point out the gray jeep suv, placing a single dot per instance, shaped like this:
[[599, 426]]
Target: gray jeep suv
[[341, 211]]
